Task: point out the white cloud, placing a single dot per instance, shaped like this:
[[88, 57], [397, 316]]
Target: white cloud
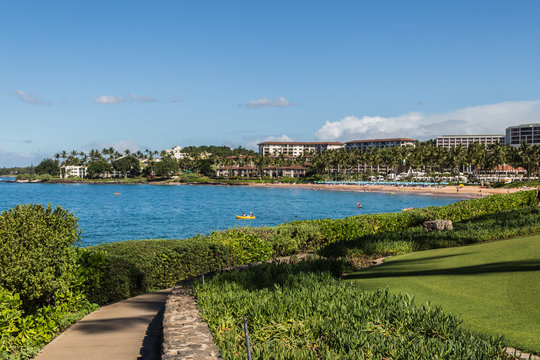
[[11, 158], [141, 99], [175, 99], [109, 99], [264, 102], [253, 144], [30, 99], [482, 119]]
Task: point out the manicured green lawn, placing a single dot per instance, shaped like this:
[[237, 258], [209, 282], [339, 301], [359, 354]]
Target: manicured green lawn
[[495, 287]]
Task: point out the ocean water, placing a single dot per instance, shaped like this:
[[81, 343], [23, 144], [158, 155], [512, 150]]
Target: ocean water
[[173, 212]]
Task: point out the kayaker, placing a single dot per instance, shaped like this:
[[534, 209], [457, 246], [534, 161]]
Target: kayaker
[[243, 214], [250, 214]]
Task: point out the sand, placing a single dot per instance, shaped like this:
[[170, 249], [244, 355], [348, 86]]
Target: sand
[[464, 191]]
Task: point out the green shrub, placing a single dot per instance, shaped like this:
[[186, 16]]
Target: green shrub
[[306, 234], [247, 246], [120, 270], [37, 258]]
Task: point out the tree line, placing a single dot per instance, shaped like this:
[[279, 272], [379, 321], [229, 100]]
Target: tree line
[[424, 156], [429, 158]]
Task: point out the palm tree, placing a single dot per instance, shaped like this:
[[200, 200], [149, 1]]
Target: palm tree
[[527, 157], [63, 155]]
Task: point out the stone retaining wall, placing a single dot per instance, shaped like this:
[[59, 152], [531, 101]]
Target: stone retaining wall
[[185, 334]]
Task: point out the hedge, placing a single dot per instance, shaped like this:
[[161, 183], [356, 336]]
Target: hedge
[[120, 270]]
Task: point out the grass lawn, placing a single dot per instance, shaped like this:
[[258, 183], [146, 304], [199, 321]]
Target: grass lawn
[[494, 287]]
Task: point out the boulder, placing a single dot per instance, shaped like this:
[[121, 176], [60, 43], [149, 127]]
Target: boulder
[[438, 225]]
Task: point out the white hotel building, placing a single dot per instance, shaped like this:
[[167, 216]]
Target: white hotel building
[[74, 171], [293, 148], [529, 133], [378, 143], [450, 141]]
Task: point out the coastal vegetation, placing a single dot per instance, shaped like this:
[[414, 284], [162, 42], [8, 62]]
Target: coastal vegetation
[[499, 225], [47, 281], [129, 268]]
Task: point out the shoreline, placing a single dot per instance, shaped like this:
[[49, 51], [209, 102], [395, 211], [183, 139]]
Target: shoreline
[[464, 191]]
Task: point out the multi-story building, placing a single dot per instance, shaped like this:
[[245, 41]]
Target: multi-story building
[[295, 149], [378, 143], [74, 171], [450, 141], [528, 133]]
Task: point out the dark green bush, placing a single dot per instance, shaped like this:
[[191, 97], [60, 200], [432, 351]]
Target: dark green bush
[[128, 268], [247, 246], [37, 257]]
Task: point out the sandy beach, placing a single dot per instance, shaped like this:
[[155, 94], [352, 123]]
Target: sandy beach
[[464, 191]]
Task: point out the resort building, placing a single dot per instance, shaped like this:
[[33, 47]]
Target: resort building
[[295, 149], [378, 143], [294, 171], [236, 171], [73, 171], [528, 133], [450, 141], [269, 171], [176, 152]]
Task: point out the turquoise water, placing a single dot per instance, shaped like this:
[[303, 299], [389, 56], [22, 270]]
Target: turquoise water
[[147, 211]]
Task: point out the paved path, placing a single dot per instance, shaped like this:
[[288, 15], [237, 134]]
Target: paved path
[[126, 330]]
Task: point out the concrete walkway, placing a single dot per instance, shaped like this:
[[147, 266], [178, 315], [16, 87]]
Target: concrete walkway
[[126, 330]]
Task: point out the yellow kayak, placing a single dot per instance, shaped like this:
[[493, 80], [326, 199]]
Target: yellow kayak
[[245, 217]]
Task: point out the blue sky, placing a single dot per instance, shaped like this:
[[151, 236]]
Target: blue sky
[[79, 75]]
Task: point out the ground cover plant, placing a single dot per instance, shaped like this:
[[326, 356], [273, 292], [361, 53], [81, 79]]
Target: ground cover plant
[[492, 286], [301, 311]]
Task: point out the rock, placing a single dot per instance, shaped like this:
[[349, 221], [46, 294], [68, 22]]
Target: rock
[[438, 225]]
